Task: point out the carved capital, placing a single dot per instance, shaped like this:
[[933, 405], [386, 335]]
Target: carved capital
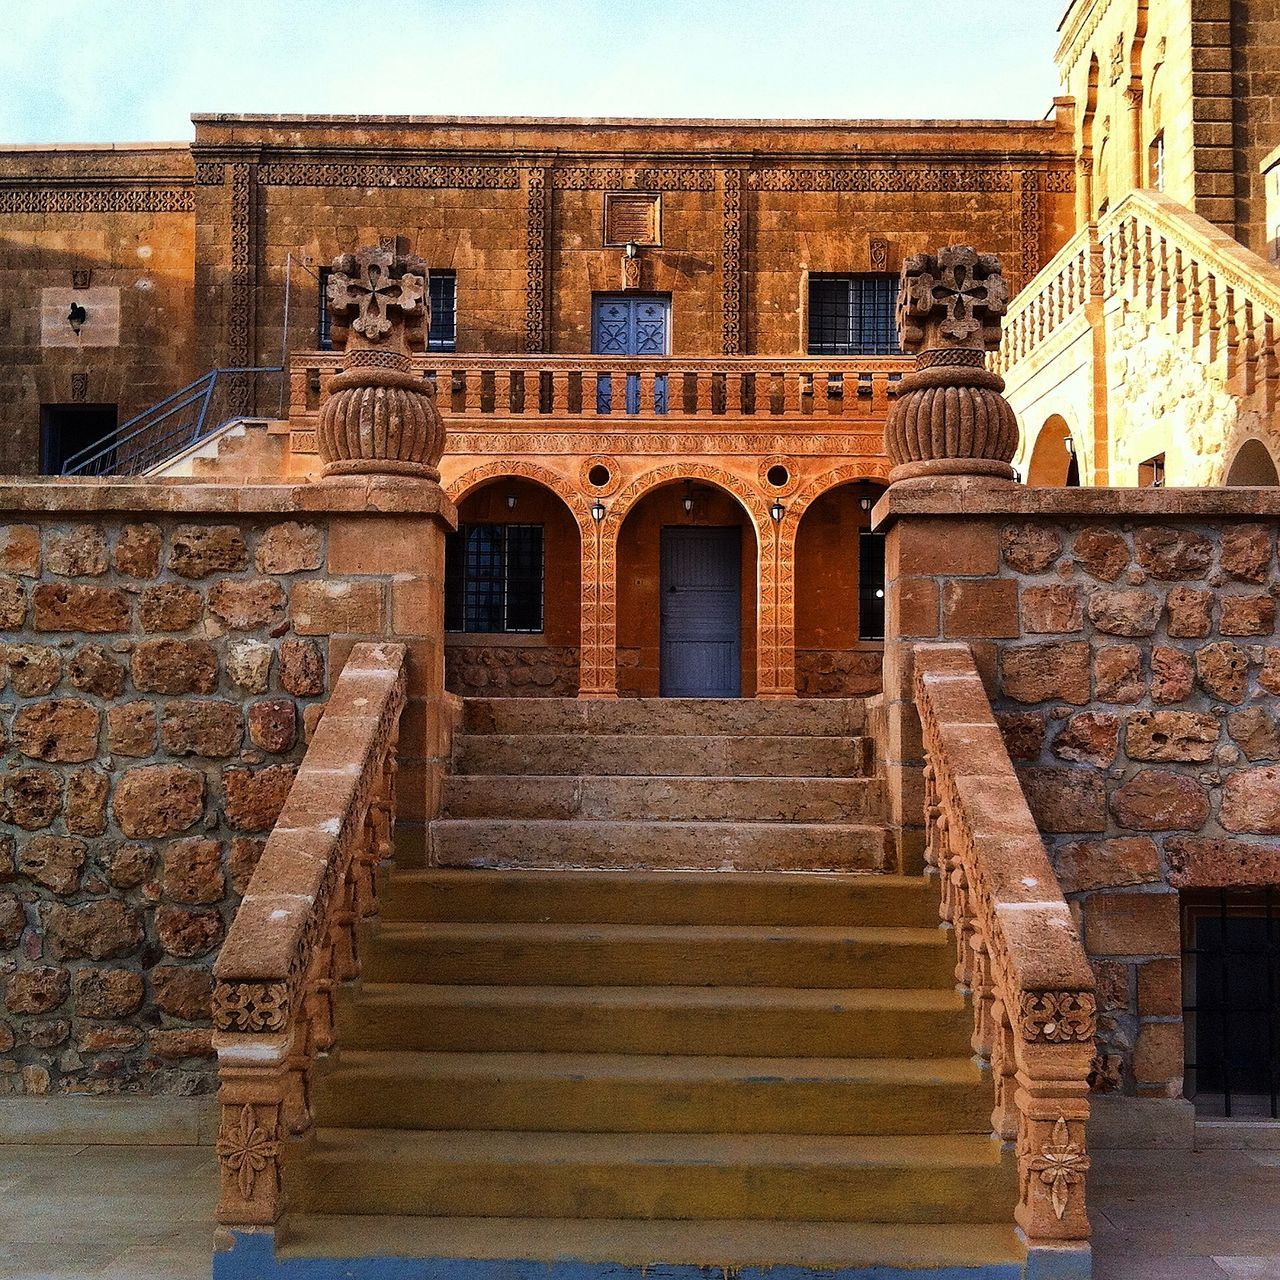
[[953, 298], [378, 297]]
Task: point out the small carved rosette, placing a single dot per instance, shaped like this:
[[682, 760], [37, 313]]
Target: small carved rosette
[[378, 417], [950, 418]]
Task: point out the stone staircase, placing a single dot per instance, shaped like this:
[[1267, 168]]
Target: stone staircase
[[644, 1005], [243, 449]]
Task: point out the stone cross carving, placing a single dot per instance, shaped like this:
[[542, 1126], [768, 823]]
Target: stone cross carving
[[381, 297], [953, 298]]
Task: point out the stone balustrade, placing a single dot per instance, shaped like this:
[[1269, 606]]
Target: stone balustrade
[[294, 939], [542, 388], [1017, 950], [1220, 298]]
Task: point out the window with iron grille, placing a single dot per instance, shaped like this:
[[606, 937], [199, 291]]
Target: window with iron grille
[[870, 585], [1231, 1000], [494, 578], [442, 289], [853, 315]]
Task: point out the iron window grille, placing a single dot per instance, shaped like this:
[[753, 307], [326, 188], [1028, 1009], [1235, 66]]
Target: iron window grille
[[1231, 1000], [870, 585], [442, 289], [494, 576], [853, 315]]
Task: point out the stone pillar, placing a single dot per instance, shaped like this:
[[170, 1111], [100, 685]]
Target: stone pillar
[[949, 430], [381, 434]]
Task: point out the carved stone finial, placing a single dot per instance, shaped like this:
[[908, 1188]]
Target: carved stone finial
[[379, 418], [950, 417]]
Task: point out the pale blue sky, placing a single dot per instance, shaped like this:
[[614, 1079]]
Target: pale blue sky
[[132, 70]]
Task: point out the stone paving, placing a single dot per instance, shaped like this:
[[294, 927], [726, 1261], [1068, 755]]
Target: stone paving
[[145, 1213]]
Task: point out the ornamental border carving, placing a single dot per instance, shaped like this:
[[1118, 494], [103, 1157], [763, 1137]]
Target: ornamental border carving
[[97, 200], [458, 489], [323, 173], [868, 444], [731, 265], [240, 294], [1029, 228], [625, 178], [904, 178], [535, 303], [1058, 1017]]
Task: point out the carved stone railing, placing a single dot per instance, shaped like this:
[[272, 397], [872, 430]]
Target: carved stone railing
[[1017, 949], [293, 941], [529, 389], [1222, 299]]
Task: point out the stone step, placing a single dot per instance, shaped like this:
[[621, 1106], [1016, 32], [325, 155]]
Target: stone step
[[562, 1248], [836, 717], [648, 1175], [662, 799], [608, 1093], [580, 843], [660, 897], [659, 755], [651, 955], [764, 1021]]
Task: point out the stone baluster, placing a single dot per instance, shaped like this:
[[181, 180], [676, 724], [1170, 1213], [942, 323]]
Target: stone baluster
[[1179, 290], [1138, 260], [1197, 304], [1148, 267], [1270, 373], [950, 417], [1249, 356], [1231, 333], [1162, 275], [1213, 321]]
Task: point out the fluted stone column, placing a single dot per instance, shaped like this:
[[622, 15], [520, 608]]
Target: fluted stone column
[[950, 418], [379, 419]]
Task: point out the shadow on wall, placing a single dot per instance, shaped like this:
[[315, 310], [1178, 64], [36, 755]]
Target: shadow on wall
[[1252, 467], [1054, 460]]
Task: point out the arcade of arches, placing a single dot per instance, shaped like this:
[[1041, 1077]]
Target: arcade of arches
[[716, 594]]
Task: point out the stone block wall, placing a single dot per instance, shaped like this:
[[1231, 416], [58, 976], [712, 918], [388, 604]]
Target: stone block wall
[[511, 671], [1128, 640], [163, 658]]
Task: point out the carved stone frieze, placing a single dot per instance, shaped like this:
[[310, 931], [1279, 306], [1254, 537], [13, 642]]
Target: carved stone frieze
[[731, 264], [97, 200], [458, 177], [250, 1006], [535, 305], [904, 178]]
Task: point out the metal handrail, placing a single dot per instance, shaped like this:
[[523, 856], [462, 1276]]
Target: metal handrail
[[162, 430]]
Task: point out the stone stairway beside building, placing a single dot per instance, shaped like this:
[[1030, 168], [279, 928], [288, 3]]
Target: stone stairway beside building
[[656, 999]]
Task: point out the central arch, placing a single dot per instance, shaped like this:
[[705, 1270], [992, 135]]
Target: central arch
[[600, 625], [1055, 457]]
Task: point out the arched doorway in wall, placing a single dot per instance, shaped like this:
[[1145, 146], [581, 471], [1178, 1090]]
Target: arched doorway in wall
[[839, 594], [1253, 466], [1054, 459], [686, 597], [512, 593]]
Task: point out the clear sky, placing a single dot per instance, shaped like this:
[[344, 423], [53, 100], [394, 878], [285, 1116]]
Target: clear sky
[[133, 70]]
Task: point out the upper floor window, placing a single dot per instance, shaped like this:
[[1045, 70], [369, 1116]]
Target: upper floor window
[[1151, 472], [1157, 161], [442, 289], [493, 578], [853, 315]]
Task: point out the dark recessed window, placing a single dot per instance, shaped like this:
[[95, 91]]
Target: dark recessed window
[[870, 585], [853, 315], [493, 578], [442, 288], [1151, 473], [1231, 1000]]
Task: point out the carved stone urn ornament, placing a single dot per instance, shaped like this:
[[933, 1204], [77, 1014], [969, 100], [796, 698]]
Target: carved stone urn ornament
[[378, 418], [950, 418]]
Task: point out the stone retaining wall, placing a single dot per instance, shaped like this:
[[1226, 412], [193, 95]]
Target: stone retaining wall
[[1128, 640], [511, 671], [161, 665]]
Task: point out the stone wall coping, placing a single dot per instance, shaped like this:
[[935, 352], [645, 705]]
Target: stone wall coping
[[952, 497], [992, 829], [374, 495], [299, 866]]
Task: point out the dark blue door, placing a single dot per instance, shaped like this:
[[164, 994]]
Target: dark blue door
[[701, 613], [624, 326]]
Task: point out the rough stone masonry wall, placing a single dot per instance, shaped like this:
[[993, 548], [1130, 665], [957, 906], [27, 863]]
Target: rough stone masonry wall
[[159, 673], [1129, 643]]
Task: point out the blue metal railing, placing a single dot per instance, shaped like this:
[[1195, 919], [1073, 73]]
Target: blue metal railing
[[178, 422]]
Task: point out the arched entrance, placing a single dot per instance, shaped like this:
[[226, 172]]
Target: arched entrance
[[513, 592], [839, 593], [1054, 460], [1252, 466], [686, 594]]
